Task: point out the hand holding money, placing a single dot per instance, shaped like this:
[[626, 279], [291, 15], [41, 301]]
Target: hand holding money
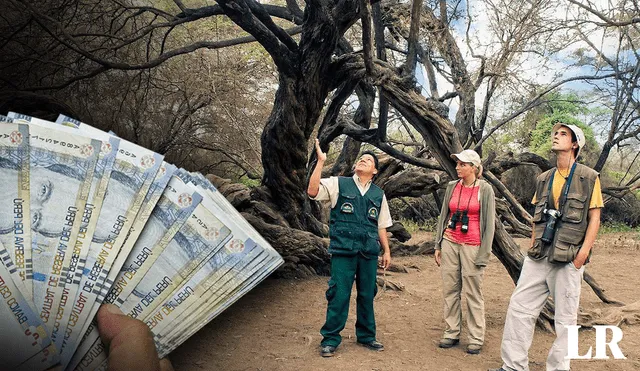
[[130, 342], [90, 220]]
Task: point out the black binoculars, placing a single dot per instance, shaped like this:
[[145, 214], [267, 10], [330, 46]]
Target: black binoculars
[[459, 216]]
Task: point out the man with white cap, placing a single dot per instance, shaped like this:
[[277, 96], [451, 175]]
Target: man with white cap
[[568, 200]]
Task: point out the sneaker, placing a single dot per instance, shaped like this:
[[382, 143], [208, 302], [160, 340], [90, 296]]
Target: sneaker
[[373, 345], [474, 348], [328, 351], [497, 369], [448, 343]]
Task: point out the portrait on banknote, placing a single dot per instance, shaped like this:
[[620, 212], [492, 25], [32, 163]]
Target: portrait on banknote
[[117, 199]]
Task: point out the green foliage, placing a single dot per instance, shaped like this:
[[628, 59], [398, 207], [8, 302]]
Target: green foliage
[[541, 135], [412, 226], [251, 183], [616, 227], [614, 175], [513, 138]]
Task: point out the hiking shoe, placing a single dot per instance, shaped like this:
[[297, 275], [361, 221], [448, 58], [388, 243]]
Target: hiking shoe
[[448, 343], [474, 348], [373, 345], [328, 351]]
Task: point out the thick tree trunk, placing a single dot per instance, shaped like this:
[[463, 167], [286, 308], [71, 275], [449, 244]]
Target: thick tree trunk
[[411, 183], [284, 154], [305, 82]]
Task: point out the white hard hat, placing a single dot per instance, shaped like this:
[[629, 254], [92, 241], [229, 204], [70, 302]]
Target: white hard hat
[[576, 131]]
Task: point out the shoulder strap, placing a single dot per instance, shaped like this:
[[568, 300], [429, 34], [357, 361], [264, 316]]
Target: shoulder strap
[[567, 185], [549, 201]]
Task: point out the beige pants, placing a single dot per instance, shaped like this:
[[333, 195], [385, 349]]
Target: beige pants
[[458, 273], [539, 279]]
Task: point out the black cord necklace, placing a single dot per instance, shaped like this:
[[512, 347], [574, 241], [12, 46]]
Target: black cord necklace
[[568, 171], [460, 193]]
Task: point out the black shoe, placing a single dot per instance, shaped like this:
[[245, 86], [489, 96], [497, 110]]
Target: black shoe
[[373, 345], [328, 351], [474, 348], [448, 343]]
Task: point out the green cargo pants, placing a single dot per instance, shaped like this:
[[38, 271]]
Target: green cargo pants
[[344, 269]]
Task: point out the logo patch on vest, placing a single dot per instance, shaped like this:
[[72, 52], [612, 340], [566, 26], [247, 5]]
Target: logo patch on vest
[[373, 213], [347, 208]]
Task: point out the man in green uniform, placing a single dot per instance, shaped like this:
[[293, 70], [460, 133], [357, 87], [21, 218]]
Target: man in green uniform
[[358, 228]]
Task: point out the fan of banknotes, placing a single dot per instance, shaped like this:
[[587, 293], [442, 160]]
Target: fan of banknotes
[[88, 218]]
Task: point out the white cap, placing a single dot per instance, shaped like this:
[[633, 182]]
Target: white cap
[[468, 155], [576, 131]]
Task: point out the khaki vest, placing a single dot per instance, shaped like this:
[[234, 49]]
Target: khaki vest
[[572, 226]]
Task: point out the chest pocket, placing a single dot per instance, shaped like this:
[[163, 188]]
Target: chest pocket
[[539, 212], [542, 195], [373, 210], [574, 208], [347, 203]]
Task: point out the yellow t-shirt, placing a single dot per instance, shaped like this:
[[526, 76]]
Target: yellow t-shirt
[[556, 190]]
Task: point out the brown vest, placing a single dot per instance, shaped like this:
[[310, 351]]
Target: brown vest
[[572, 226]]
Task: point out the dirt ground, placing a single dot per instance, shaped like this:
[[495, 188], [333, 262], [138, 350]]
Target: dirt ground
[[276, 326]]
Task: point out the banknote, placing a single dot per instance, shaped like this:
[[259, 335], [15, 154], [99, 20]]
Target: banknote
[[200, 237], [15, 220], [205, 187], [160, 242], [213, 286], [216, 303], [236, 254], [74, 260], [153, 227], [132, 174], [73, 267], [217, 284], [212, 276], [164, 174], [93, 357], [24, 340], [221, 265], [176, 205], [61, 169], [189, 324], [206, 305]]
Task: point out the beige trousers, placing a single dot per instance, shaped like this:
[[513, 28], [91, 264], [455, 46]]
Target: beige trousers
[[458, 273], [539, 279]]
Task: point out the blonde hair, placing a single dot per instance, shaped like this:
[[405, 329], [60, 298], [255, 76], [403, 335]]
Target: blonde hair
[[479, 169]]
